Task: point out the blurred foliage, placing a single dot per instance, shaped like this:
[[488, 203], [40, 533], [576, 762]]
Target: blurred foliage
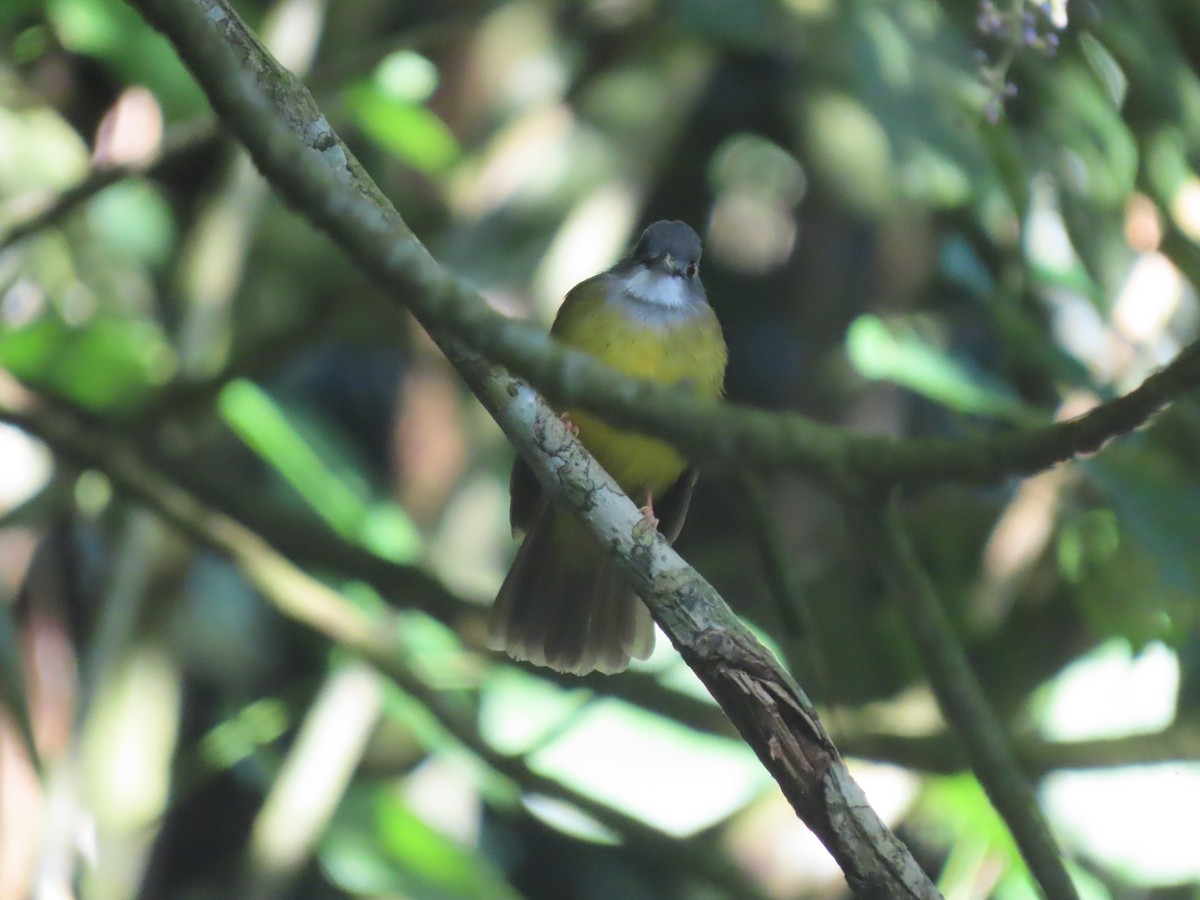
[[921, 218]]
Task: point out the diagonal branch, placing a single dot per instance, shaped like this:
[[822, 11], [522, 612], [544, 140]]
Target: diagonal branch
[[764, 703]]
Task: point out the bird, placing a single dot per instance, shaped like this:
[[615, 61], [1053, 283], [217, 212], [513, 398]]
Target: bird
[[565, 604]]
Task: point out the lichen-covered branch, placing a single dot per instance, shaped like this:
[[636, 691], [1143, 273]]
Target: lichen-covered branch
[[762, 700]]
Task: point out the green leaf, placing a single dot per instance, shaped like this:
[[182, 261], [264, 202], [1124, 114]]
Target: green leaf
[[1159, 505], [896, 351], [133, 217], [377, 846], [954, 810], [276, 435], [353, 863], [238, 737], [436, 866], [955, 813], [1135, 569], [265, 426], [114, 33], [110, 364], [407, 130]]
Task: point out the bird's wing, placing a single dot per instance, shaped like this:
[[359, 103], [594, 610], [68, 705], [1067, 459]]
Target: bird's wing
[[672, 506], [525, 494]]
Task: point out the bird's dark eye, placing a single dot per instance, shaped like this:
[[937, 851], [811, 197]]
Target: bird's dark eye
[[691, 270]]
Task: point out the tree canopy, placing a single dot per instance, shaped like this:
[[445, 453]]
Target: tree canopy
[[263, 364]]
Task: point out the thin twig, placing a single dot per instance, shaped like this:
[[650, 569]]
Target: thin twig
[[790, 603], [783, 583], [942, 753], [181, 139], [960, 696]]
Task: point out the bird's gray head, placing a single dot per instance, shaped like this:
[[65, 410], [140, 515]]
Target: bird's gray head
[[663, 269]]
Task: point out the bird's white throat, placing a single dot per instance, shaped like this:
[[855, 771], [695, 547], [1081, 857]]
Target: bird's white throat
[[658, 289]]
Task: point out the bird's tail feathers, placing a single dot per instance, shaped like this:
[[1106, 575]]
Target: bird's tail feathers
[[569, 609]]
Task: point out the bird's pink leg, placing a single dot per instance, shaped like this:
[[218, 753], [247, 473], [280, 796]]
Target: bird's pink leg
[[647, 511]]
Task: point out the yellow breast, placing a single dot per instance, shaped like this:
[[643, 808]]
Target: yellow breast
[[690, 351]]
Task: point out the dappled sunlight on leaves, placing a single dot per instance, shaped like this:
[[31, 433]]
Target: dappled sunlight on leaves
[[921, 220]]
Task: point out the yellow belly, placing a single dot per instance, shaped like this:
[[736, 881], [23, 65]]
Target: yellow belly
[[692, 353], [638, 463]]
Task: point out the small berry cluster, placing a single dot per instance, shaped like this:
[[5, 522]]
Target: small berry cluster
[[1015, 30], [1026, 28]]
